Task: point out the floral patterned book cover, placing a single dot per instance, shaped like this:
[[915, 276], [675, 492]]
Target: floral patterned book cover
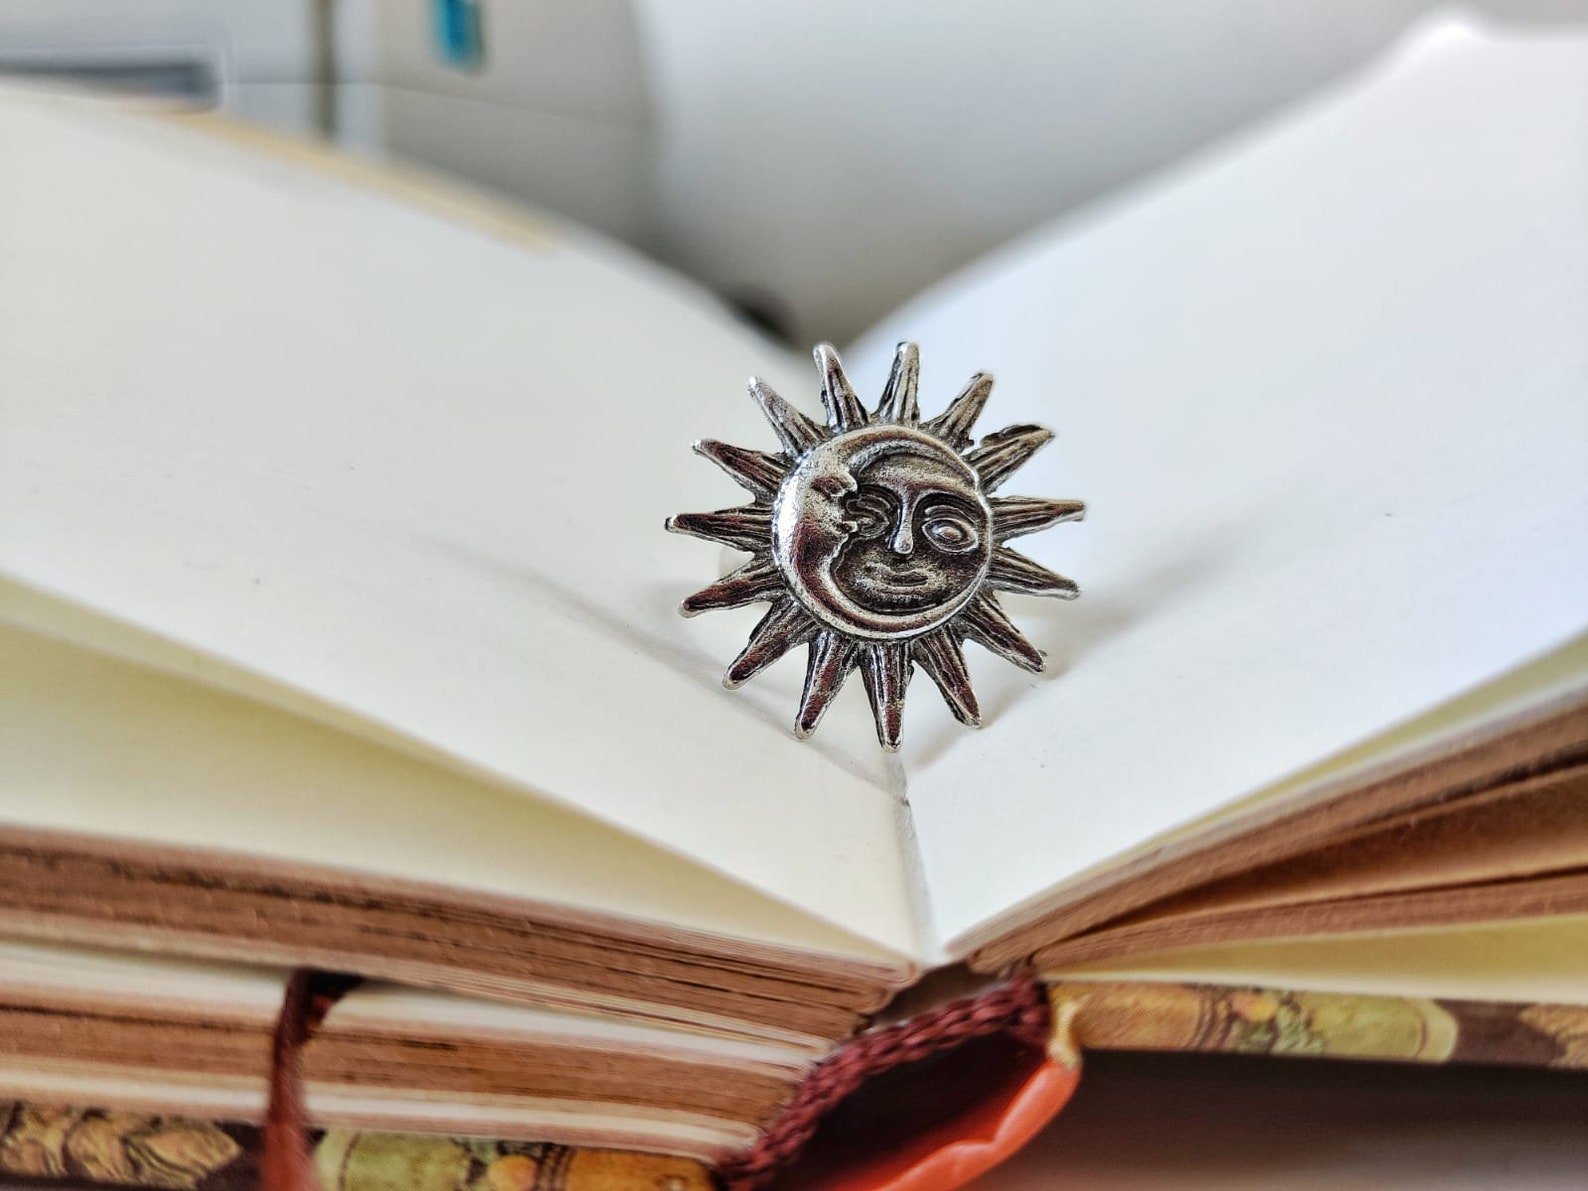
[[50, 1144]]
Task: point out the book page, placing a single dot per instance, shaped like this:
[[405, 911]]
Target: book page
[[1534, 961], [408, 473], [97, 745], [1326, 394], [124, 1029]]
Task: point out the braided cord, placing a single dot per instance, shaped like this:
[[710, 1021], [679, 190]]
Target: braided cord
[[1019, 1009]]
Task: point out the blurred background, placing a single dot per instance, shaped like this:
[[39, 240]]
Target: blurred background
[[732, 140], [816, 164]]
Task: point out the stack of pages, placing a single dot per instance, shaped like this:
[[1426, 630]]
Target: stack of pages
[[338, 629]]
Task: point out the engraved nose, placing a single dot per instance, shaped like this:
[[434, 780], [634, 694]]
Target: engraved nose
[[903, 541]]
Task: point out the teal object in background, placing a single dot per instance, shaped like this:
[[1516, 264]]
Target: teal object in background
[[459, 37]]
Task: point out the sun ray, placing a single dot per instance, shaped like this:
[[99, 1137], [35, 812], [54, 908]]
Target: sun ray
[[899, 402], [984, 622], [999, 455], [940, 656], [885, 669], [784, 626], [828, 663], [745, 528], [954, 424], [849, 569], [755, 471], [756, 580], [795, 431], [1013, 571], [844, 410], [1017, 515]]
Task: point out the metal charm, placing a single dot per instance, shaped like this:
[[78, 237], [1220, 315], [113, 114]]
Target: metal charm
[[878, 543]]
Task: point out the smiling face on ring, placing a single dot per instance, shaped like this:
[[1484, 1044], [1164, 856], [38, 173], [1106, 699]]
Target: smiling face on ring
[[918, 536], [883, 532]]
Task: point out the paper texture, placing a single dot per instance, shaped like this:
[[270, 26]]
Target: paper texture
[[93, 744], [1326, 395], [396, 466]]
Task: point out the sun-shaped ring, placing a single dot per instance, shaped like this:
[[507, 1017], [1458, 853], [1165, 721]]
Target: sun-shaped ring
[[878, 542]]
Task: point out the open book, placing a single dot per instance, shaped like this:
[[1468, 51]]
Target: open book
[[339, 627]]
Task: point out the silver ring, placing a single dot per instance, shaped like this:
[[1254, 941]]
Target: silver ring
[[878, 543]]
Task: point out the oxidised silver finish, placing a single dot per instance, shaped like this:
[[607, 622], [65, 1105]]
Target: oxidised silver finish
[[877, 543]]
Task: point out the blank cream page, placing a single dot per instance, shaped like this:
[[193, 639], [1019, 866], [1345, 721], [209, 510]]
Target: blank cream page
[[408, 472], [1326, 394], [98, 745]]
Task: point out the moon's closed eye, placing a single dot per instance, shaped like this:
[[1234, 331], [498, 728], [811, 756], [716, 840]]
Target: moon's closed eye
[[871, 513]]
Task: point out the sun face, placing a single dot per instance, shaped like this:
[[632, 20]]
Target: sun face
[[878, 544]]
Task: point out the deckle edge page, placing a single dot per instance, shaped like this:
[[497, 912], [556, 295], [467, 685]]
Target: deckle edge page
[[111, 759], [1529, 716]]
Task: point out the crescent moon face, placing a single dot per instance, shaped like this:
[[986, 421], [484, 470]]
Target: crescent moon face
[[872, 536], [882, 532]]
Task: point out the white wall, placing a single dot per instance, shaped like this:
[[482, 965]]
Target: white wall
[[558, 112], [844, 155], [261, 51], [825, 158]]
